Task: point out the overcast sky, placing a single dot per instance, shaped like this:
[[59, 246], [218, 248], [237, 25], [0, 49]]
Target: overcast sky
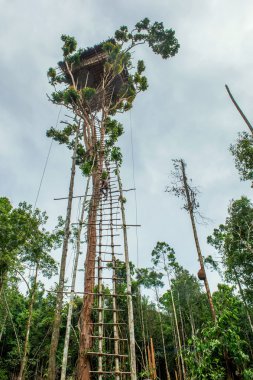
[[185, 112]]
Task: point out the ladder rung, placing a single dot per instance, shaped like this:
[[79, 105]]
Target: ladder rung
[[107, 235], [106, 337], [110, 253], [106, 323], [109, 213], [103, 252], [104, 294], [108, 278], [105, 309], [105, 354], [107, 245], [111, 372], [103, 261], [109, 208]]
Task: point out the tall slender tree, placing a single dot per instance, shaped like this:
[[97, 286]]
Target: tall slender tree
[[181, 188], [233, 241], [94, 102], [73, 282], [60, 289], [242, 150]]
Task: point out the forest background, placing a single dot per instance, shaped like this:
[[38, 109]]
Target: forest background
[[185, 113]]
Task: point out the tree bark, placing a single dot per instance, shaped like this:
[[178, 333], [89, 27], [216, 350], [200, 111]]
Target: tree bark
[[190, 210], [59, 294], [85, 323]]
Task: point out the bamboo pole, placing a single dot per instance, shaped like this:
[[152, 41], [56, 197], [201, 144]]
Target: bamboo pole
[[129, 285], [100, 300], [73, 284], [114, 300], [176, 321], [59, 296]]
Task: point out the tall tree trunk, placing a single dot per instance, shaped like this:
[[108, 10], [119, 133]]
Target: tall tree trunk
[[129, 286], [59, 294], [143, 333], [163, 341], [239, 110], [181, 321], [178, 364], [73, 284], [28, 326], [190, 209], [176, 322], [85, 321], [83, 364]]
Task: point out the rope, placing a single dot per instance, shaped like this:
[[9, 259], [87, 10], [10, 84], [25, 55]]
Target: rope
[[137, 243], [46, 162], [74, 242]]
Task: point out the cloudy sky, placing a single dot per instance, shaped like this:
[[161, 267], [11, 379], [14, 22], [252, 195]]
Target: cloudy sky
[[185, 112]]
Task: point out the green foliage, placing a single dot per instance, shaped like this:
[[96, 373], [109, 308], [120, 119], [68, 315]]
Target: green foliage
[[165, 255], [40, 335], [88, 93], [57, 97], [70, 95], [86, 168], [24, 240], [219, 352], [140, 67], [64, 136], [69, 45], [104, 175], [243, 155], [162, 41], [149, 278], [113, 130], [212, 264], [234, 241], [116, 155], [16, 228]]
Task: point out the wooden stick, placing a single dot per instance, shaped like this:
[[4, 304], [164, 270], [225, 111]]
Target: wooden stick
[[239, 109]]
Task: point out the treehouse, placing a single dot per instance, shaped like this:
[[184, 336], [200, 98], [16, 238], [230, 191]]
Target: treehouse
[[89, 72]]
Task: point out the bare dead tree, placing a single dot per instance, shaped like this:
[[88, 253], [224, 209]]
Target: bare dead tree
[[180, 188]]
